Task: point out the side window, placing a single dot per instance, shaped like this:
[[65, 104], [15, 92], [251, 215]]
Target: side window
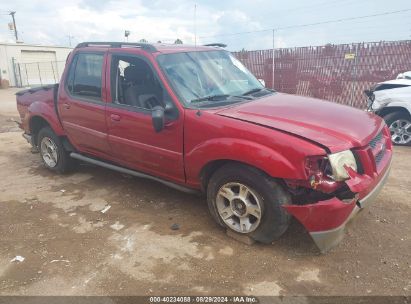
[[133, 83], [85, 76], [70, 77]]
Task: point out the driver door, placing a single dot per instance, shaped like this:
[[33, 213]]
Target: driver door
[[135, 89]]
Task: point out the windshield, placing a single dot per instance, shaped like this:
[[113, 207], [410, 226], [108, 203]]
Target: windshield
[[208, 76]]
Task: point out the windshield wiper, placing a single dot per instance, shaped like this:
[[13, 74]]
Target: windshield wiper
[[219, 97], [211, 98], [255, 90]]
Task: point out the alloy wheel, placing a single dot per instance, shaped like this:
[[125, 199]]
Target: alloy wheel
[[48, 150], [400, 131], [239, 207]]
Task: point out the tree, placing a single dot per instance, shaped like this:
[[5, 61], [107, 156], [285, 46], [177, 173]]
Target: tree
[[178, 41], [143, 40], [159, 41], [243, 54]]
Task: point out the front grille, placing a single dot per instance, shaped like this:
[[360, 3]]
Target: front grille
[[375, 140], [379, 157], [378, 147]]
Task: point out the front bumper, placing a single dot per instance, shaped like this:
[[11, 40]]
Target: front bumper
[[326, 220]]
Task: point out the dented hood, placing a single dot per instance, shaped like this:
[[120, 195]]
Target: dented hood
[[334, 126]]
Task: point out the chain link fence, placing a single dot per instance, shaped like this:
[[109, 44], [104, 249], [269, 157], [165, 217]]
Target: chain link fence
[[338, 73], [31, 74]]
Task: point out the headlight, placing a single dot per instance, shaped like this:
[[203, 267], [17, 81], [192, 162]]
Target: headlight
[[376, 105], [338, 160]]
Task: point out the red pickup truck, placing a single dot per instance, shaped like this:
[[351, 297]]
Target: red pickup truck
[[194, 118]]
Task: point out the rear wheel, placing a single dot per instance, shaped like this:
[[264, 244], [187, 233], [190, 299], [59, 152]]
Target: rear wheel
[[247, 201], [400, 128], [52, 151]]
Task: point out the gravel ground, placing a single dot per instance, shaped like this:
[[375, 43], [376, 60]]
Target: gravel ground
[[71, 248]]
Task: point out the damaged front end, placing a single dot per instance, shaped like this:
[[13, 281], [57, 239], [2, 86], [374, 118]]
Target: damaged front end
[[338, 187]]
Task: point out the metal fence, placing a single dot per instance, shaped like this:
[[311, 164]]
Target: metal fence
[[31, 74], [338, 73]]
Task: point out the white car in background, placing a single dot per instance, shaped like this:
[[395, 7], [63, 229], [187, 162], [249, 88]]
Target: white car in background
[[392, 101]]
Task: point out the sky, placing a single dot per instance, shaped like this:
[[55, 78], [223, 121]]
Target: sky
[[52, 22]]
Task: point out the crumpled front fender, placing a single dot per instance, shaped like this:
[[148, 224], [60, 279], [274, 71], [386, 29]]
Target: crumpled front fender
[[325, 220], [322, 215]]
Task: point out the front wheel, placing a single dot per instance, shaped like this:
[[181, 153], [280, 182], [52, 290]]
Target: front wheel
[[52, 151], [247, 201], [400, 128]]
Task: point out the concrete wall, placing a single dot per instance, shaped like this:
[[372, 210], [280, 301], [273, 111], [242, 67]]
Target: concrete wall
[[8, 51]]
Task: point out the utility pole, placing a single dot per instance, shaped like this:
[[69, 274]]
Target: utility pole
[[14, 25], [69, 38]]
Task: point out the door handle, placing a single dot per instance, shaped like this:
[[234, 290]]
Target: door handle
[[66, 106], [115, 117], [169, 124]]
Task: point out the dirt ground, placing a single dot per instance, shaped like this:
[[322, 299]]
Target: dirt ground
[[71, 248]]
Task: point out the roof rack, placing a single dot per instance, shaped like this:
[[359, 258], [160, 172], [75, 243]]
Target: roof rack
[[144, 46]]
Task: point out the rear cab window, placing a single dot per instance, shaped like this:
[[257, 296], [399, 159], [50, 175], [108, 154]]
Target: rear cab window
[[85, 76]]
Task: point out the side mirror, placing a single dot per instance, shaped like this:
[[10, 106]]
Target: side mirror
[[370, 94], [262, 81], [157, 117]]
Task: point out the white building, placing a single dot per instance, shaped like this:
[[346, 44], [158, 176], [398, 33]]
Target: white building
[[32, 65]]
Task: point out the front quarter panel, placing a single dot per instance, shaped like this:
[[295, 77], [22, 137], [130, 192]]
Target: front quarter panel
[[209, 137]]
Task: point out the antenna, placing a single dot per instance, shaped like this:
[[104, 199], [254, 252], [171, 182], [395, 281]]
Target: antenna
[[195, 24]]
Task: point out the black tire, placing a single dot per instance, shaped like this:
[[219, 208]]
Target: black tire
[[274, 219], [64, 162], [395, 116]]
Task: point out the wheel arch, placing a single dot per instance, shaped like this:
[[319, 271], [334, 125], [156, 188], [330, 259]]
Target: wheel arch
[[208, 170], [392, 109], [37, 123], [211, 167], [205, 158]]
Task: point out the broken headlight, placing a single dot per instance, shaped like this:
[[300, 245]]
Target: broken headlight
[[338, 161]]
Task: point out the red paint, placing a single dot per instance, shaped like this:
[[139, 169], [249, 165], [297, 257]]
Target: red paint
[[276, 134], [38, 104], [337, 127], [322, 216], [357, 183]]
